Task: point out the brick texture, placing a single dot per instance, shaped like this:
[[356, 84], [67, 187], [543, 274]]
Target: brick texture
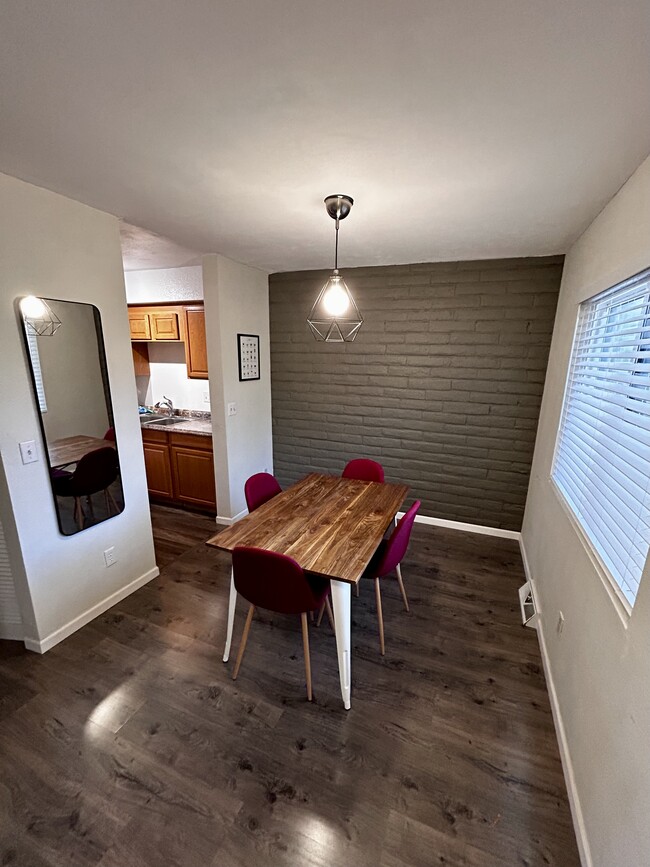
[[442, 386]]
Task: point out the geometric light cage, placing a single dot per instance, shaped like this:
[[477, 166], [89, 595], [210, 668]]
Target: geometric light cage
[[335, 329], [45, 323]]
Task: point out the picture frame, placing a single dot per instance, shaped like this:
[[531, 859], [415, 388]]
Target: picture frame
[[248, 352]]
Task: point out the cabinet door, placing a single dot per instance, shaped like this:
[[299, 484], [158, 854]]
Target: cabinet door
[[193, 472], [164, 326], [139, 325], [196, 350], [157, 464]]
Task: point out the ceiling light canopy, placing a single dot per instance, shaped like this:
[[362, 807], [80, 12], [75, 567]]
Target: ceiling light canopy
[[335, 317]]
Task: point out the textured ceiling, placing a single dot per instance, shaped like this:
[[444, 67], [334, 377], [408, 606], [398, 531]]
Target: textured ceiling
[[463, 128]]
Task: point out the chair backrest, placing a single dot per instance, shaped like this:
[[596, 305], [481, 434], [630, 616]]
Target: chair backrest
[[274, 581], [259, 489], [110, 435], [95, 471], [364, 470], [398, 541]]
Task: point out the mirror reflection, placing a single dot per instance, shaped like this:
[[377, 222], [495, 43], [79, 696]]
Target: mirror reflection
[[65, 348]]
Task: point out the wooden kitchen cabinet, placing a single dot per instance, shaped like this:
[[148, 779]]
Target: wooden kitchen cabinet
[[139, 324], [140, 359], [155, 323], [196, 349], [165, 325], [180, 468], [157, 464], [193, 470]]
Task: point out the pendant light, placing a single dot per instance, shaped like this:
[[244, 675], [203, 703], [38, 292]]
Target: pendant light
[[39, 317], [335, 317]]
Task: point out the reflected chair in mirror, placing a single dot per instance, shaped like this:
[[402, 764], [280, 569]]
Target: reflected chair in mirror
[[364, 470], [277, 583], [110, 435], [95, 472], [259, 489], [388, 557]]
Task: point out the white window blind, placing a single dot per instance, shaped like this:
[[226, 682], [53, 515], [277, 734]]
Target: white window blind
[[32, 342], [602, 459]]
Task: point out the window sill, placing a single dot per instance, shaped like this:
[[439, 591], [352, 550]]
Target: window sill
[[622, 606]]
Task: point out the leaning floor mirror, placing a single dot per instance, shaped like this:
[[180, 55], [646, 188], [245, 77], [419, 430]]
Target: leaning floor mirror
[[65, 349]]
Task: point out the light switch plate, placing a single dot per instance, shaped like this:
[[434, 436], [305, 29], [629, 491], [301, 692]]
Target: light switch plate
[[232, 409], [28, 452]]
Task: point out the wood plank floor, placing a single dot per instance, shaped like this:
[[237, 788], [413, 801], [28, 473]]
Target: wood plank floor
[[128, 745]]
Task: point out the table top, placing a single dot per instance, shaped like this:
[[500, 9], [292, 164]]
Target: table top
[[331, 526], [70, 450]]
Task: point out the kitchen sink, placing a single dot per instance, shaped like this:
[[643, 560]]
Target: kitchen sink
[[164, 421]]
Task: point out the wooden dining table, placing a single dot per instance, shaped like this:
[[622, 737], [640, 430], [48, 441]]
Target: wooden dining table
[[331, 526], [70, 450]]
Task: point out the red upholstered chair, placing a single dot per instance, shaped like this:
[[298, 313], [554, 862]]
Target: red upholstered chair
[[259, 489], [110, 435], [387, 558], [276, 582], [95, 472], [364, 470]]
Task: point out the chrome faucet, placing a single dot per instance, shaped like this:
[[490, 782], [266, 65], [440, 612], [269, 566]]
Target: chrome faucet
[[166, 404]]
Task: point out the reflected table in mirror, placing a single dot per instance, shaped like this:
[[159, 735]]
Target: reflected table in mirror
[[70, 450]]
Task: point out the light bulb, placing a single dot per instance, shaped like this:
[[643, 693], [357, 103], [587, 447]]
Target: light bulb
[[335, 299], [32, 307]]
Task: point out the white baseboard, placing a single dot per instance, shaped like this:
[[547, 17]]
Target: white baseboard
[[41, 646], [466, 528], [565, 756], [221, 519], [12, 631]]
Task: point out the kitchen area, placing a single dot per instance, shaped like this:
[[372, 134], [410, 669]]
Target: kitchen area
[[168, 343]]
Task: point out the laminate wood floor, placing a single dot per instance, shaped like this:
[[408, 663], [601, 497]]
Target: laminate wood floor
[[129, 745]]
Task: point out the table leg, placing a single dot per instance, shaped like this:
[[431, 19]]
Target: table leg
[[232, 604], [341, 598]]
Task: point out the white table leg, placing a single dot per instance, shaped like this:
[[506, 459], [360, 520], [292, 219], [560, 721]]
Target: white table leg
[[232, 604], [341, 599]]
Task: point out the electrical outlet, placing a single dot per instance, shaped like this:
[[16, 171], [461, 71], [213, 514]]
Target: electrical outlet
[[28, 452], [560, 623], [206, 397], [109, 556], [232, 409]]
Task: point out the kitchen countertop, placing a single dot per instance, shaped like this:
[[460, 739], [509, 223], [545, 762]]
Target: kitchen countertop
[[200, 426]]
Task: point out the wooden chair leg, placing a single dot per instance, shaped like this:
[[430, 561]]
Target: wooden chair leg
[[330, 613], [110, 498], [320, 614], [91, 510], [380, 616], [305, 645], [398, 569], [78, 513], [244, 639], [356, 588], [311, 616]]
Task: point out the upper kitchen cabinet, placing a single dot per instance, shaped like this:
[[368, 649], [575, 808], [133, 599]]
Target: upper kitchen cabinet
[[179, 323], [196, 350], [155, 323]]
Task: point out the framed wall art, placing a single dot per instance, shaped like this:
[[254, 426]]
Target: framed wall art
[[248, 347]]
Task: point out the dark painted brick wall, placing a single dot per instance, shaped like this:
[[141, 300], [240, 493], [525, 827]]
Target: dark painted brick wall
[[443, 384]]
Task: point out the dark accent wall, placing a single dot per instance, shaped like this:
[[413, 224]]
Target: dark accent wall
[[442, 386]]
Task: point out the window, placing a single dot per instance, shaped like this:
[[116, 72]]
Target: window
[[32, 343], [602, 459]]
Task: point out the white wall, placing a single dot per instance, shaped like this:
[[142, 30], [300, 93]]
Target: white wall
[[237, 301], [57, 248], [168, 375], [164, 284], [599, 666]]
